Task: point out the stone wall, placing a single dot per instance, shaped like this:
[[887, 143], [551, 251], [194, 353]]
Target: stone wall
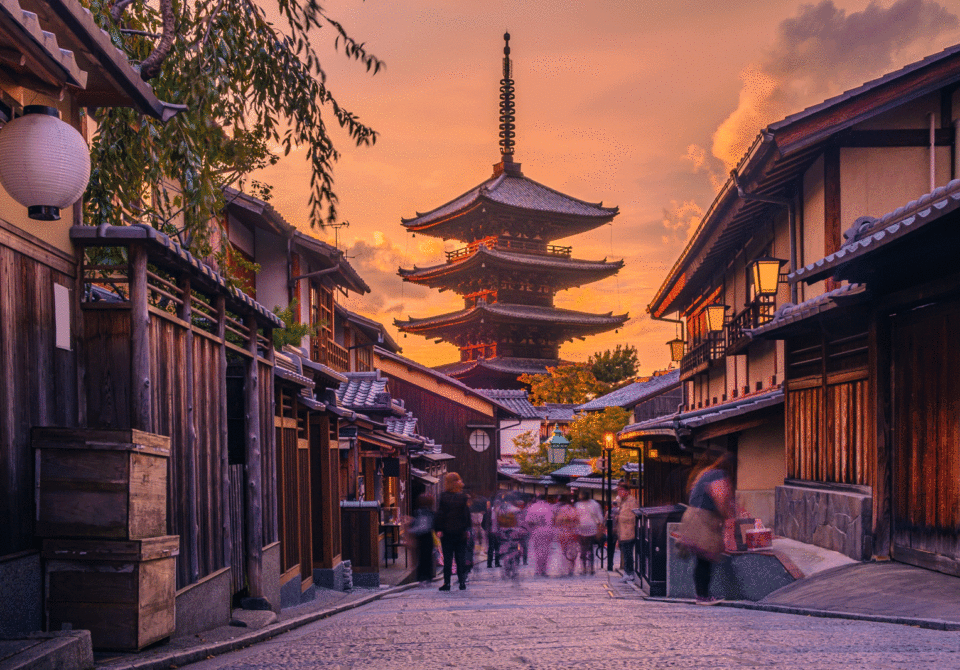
[[833, 519]]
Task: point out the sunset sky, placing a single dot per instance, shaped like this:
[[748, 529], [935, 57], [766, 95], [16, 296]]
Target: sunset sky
[[644, 105]]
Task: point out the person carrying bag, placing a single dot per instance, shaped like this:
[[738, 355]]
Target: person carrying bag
[[701, 527]]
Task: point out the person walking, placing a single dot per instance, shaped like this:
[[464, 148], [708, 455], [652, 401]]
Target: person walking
[[453, 524], [539, 520], [701, 528], [589, 524], [421, 530], [565, 521], [626, 529]]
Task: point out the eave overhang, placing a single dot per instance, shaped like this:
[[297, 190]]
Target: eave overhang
[[778, 157], [564, 272]]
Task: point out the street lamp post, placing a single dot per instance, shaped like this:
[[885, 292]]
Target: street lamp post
[[608, 452]]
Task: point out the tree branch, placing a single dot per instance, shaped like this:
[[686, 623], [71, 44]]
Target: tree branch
[[150, 67]]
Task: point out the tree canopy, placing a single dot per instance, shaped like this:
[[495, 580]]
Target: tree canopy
[[569, 384], [586, 434], [253, 89], [613, 366]]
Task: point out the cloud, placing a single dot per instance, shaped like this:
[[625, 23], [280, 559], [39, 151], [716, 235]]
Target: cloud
[[680, 221], [820, 51]]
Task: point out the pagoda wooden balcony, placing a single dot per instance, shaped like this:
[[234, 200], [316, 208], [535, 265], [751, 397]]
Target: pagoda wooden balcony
[[510, 244], [757, 313], [700, 356]]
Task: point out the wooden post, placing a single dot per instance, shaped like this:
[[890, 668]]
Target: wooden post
[[254, 487], [190, 448], [270, 444], [220, 304], [141, 409]]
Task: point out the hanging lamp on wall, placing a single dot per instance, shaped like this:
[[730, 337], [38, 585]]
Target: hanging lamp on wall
[[44, 162]]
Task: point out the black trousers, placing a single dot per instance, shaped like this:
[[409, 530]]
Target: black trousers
[[701, 577], [626, 553], [454, 549]]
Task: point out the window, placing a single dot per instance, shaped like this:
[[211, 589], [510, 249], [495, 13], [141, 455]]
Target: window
[[479, 440]]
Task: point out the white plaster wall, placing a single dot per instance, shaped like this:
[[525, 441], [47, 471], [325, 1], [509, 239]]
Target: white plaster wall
[[272, 278], [242, 237], [761, 460], [877, 181], [507, 447]]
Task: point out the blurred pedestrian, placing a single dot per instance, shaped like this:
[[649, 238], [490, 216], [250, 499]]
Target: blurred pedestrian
[[453, 523], [421, 530], [701, 528], [589, 527], [491, 528], [565, 520], [539, 521], [626, 529], [478, 506]]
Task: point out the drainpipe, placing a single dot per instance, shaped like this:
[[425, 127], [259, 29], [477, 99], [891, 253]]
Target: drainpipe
[[956, 149], [791, 223]]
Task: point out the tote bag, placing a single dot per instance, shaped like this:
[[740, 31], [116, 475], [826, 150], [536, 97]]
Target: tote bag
[[701, 533]]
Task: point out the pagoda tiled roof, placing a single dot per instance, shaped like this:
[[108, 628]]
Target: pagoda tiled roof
[[510, 312], [573, 271], [515, 191]]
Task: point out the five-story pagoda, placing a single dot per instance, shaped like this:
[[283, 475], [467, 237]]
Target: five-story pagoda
[[509, 272]]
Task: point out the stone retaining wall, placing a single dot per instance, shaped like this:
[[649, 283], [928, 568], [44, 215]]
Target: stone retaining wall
[[828, 518]]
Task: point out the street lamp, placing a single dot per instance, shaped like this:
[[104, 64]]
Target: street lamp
[[557, 448], [765, 272], [608, 454]]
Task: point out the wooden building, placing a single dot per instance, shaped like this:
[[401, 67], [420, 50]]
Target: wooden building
[[55, 56], [509, 272], [462, 419], [307, 275], [890, 328], [805, 181]]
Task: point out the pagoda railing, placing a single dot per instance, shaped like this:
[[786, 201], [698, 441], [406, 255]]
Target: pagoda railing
[[510, 244]]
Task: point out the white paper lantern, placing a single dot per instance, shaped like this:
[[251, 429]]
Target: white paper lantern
[[44, 162]]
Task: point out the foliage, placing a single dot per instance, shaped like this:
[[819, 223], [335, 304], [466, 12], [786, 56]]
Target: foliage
[[250, 86], [294, 332], [612, 366], [532, 454], [586, 433], [571, 383]]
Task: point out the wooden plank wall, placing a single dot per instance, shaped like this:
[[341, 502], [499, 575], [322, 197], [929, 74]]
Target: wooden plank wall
[[829, 411], [238, 562], [446, 422], [38, 382]]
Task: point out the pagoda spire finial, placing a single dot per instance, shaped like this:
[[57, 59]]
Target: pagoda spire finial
[[507, 110]]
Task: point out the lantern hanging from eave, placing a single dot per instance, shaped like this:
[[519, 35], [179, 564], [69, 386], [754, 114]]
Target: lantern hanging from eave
[[44, 162], [765, 273], [715, 317], [676, 350]]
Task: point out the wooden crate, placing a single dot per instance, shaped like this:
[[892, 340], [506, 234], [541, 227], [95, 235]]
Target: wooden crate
[[123, 592], [107, 484]]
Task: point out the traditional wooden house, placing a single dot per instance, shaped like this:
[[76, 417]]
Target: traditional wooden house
[[462, 419], [897, 428], [359, 335], [305, 274], [509, 271], [528, 420], [657, 396], [804, 181], [56, 62]]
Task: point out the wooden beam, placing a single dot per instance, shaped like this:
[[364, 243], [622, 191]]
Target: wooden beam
[[220, 304], [141, 409], [190, 446], [254, 484], [900, 137]]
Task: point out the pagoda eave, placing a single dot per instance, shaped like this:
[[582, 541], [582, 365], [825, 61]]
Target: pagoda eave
[[564, 272]]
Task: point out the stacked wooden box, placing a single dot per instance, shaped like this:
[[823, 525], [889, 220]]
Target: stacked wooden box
[[102, 511]]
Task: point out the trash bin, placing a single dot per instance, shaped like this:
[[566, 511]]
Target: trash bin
[[652, 545]]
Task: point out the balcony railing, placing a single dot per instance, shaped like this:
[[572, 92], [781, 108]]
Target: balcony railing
[[329, 353], [510, 244], [757, 313], [699, 357]]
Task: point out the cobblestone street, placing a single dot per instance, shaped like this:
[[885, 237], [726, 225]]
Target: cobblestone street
[[583, 622]]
